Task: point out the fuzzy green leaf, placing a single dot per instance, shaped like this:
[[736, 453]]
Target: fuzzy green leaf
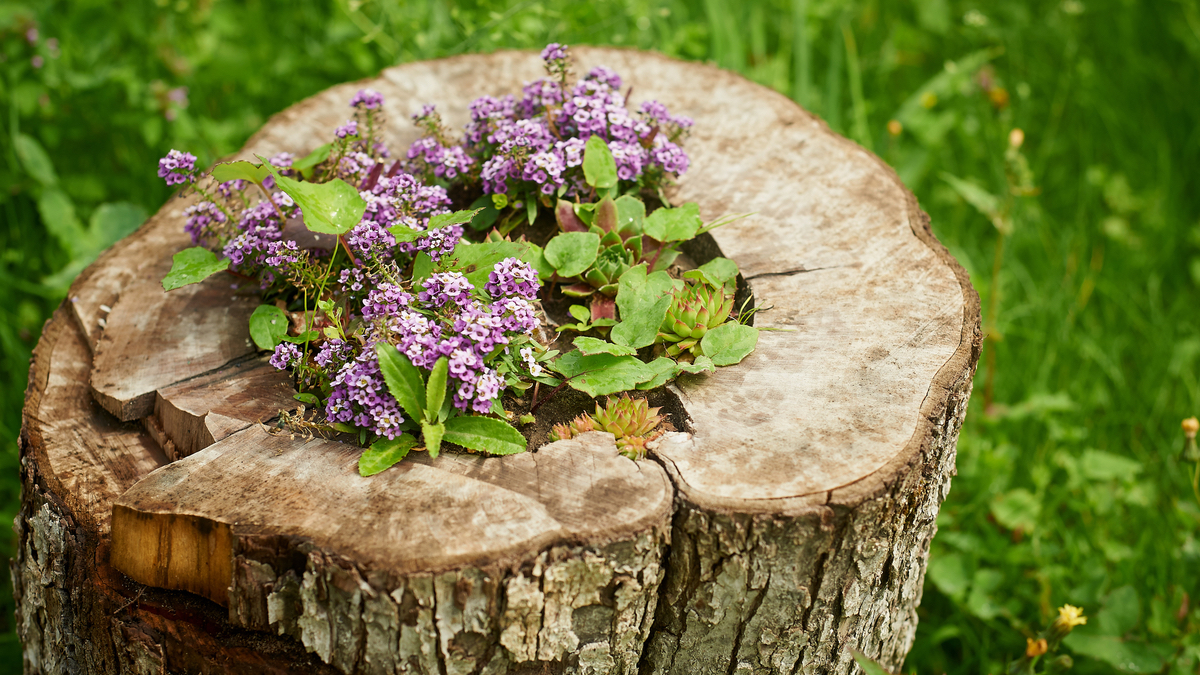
[[677, 224], [602, 374], [329, 208], [484, 434], [435, 389], [643, 300], [403, 380], [729, 343], [664, 370], [268, 326], [384, 453], [591, 345], [191, 266], [433, 432], [255, 173], [572, 252], [599, 167]]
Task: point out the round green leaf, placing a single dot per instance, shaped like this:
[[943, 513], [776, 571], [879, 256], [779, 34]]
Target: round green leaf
[[268, 326], [603, 374], [729, 343], [572, 252]]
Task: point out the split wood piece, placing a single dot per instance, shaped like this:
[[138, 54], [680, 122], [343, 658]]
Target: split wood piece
[[196, 413], [483, 525], [155, 339], [75, 614], [142, 257]]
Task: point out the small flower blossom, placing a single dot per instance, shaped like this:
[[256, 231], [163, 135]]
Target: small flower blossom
[[177, 167], [347, 130], [367, 99], [286, 354]]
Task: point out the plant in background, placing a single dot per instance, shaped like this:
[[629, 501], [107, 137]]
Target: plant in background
[[396, 324]]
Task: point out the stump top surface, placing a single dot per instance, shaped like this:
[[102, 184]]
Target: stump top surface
[[870, 321]]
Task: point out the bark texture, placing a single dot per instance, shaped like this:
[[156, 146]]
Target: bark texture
[[789, 522]]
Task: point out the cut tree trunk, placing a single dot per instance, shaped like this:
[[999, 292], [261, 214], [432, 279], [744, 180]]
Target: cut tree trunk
[[163, 529]]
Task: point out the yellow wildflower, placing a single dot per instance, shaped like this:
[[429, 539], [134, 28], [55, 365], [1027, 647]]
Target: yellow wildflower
[[1070, 616], [1035, 648]]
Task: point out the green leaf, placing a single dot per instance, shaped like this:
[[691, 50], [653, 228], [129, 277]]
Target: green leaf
[[193, 265], [701, 364], [729, 343], [329, 208], [1100, 465], [486, 213], [677, 224], [58, 215], [537, 258], [631, 215], [1125, 656], [664, 370], [602, 374], [403, 380], [475, 261], [304, 164], [599, 167], [869, 665], [255, 173], [306, 336], [484, 434], [111, 222], [572, 252], [447, 219], [531, 207], [580, 313], [643, 300], [984, 202], [435, 389], [433, 432], [1017, 510], [268, 326], [35, 160], [305, 397], [1121, 612], [718, 272], [591, 345], [422, 267], [949, 573], [384, 453]]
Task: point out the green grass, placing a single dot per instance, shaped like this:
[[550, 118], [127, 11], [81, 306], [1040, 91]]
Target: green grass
[[1073, 488]]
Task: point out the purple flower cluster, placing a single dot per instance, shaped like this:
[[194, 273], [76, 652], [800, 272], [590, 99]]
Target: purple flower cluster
[[259, 227], [359, 396], [202, 218], [367, 99], [347, 130], [537, 143], [177, 167], [402, 199], [511, 277]]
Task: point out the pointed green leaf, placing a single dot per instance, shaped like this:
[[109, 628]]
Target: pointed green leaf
[[447, 219], [664, 370], [603, 374], [643, 300], [599, 167], [433, 432], [435, 389], [329, 208], [677, 224], [255, 173], [307, 162], [870, 666], [476, 261], [729, 343], [484, 434], [403, 380], [591, 345], [193, 265], [572, 252], [307, 398], [268, 326], [384, 453]]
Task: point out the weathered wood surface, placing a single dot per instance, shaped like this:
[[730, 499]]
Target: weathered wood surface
[[805, 490]]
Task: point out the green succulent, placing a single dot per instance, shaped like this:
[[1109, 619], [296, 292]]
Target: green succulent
[[695, 309], [579, 425], [632, 421]]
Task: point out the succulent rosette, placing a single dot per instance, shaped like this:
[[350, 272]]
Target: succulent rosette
[[695, 309]]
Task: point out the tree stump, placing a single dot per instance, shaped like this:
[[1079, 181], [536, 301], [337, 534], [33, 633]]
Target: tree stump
[[163, 530]]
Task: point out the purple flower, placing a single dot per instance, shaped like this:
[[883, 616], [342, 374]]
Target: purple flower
[[286, 354], [554, 52], [367, 99], [347, 130], [512, 277], [201, 218], [177, 167], [445, 287]]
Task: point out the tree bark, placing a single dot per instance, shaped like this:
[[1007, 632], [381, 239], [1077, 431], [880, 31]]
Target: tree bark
[[788, 522]]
